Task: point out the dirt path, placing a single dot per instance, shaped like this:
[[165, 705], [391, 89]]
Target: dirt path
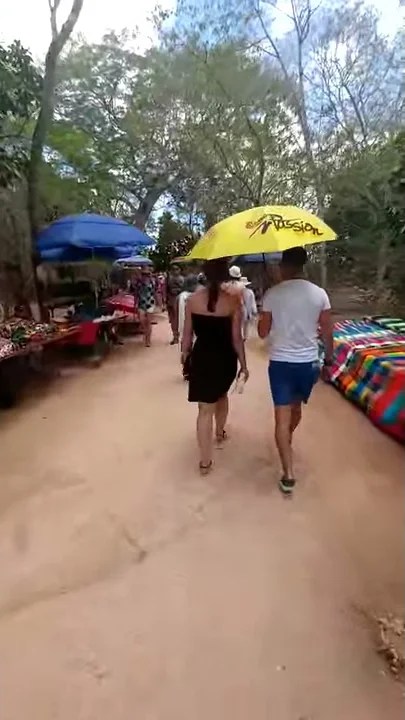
[[133, 588]]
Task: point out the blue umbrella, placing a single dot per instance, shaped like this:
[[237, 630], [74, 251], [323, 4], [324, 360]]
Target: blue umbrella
[[82, 237], [133, 261]]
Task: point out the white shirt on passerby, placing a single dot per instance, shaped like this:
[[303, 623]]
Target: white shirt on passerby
[[295, 307], [249, 302], [183, 297]]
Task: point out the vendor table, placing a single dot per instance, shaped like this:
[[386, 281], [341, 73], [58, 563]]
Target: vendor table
[[15, 366], [61, 337], [125, 302]]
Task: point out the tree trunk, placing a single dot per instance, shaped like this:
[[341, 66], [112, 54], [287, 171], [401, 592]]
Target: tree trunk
[[383, 264], [44, 120], [146, 206], [320, 196], [38, 140], [210, 220], [46, 112]]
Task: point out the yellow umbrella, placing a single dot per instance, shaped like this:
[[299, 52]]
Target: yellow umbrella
[[272, 228]]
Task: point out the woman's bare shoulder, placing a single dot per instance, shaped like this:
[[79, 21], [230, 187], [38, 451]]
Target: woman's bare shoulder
[[233, 290], [233, 295], [197, 297], [229, 302]]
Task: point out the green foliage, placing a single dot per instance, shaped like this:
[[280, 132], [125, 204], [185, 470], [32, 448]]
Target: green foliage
[[210, 129], [367, 210], [72, 159], [223, 114], [174, 240], [104, 94], [20, 91]]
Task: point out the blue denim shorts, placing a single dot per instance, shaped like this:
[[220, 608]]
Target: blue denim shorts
[[292, 383]]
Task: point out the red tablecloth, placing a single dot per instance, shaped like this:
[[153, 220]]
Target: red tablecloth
[[125, 302]]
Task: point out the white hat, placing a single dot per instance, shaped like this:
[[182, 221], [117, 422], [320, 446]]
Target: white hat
[[235, 272], [245, 281]]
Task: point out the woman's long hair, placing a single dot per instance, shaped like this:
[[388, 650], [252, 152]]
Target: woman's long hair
[[216, 273]]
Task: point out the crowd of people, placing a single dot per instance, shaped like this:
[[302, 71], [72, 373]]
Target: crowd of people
[[170, 293], [210, 314]]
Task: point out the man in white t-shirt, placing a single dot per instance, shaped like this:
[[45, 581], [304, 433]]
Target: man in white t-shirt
[[291, 314]]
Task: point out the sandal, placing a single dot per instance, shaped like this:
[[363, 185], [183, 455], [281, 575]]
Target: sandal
[[220, 439], [205, 469]]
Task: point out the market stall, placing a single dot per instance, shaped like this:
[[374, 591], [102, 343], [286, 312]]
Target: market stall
[[90, 237], [369, 369], [22, 348], [21, 337], [126, 303]]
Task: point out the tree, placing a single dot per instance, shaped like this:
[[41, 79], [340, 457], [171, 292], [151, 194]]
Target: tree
[[367, 210], [20, 90], [341, 77], [174, 240], [59, 39], [235, 131], [206, 128], [85, 184], [129, 121]]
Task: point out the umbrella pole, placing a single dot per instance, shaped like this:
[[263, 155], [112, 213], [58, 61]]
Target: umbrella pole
[[264, 274], [96, 282]]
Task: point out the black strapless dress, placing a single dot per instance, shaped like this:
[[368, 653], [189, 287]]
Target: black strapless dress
[[213, 361]]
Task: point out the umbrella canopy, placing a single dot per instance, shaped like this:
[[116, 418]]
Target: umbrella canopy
[[133, 261], [268, 229], [259, 258], [82, 237]]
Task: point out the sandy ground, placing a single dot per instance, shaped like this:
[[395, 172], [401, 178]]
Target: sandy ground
[[133, 588]]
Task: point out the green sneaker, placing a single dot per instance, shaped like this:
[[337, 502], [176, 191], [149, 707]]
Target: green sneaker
[[286, 485]]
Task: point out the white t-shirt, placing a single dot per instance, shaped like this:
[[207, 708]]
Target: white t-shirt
[[295, 306]]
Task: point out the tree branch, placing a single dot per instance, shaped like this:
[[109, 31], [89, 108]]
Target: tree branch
[[53, 9]]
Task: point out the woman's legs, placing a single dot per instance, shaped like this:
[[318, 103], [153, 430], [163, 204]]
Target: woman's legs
[[283, 422], [204, 432], [148, 329], [221, 416], [174, 320], [296, 415]]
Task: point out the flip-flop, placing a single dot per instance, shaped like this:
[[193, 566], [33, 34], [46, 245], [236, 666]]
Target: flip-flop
[[205, 469]]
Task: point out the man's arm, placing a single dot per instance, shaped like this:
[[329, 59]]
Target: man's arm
[[265, 317], [264, 324], [326, 326]]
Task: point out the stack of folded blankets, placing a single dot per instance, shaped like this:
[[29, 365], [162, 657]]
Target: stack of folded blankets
[[369, 369]]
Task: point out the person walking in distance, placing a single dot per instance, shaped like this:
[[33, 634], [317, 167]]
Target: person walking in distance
[[189, 287], [249, 307], [291, 314], [145, 292], [174, 286], [213, 317]]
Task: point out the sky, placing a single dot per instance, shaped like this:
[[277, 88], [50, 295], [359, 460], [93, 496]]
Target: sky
[[28, 20]]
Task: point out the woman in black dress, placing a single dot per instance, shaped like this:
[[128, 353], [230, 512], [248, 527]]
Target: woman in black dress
[[213, 317]]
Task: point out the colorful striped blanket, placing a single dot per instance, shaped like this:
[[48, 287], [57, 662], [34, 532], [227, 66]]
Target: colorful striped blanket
[[369, 369], [396, 325]]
